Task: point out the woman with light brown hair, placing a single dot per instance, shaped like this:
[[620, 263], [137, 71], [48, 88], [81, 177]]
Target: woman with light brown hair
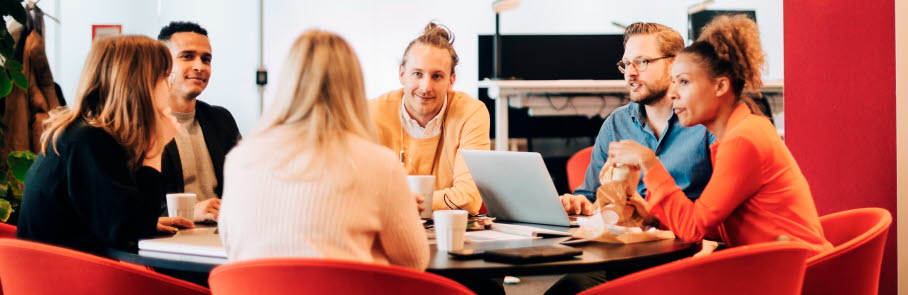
[[312, 181], [757, 192], [97, 183]]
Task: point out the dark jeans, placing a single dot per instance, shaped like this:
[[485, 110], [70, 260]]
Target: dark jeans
[[481, 285], [579, 282]]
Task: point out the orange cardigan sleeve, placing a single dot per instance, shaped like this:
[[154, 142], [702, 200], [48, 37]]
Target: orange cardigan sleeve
[[737, 175], [474, 136]]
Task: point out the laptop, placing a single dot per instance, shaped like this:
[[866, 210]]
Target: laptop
[[201, 244], [517, 187]]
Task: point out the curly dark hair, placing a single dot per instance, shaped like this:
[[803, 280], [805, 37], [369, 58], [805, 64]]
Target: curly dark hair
[[730, 46], [180, 27]]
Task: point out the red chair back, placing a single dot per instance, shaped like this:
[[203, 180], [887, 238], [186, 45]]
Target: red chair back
[[321, 276], [853, 266], [576, 167], [7, 231], [38, 269], [769, 268]]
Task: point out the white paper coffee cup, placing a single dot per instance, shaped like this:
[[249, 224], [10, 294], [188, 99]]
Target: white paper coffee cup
[[450, 228], [181, 205], [423, 185]]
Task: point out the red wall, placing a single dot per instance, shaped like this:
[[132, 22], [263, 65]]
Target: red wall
[[840, 106]]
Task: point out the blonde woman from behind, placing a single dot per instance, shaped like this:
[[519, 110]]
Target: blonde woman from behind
[[311, 181]]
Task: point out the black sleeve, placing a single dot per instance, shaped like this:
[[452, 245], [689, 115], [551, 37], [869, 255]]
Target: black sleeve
[[119, 205], [233, 128]]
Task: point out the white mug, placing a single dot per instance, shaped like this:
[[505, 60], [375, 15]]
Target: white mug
[[181, 205], [423, 185], [450, 228]]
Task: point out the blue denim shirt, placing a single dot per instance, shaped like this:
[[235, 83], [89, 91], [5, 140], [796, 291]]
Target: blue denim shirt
[[684, 151]]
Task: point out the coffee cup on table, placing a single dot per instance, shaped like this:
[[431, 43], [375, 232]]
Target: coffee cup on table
[[424, 185], [181, 205], [450, 228]]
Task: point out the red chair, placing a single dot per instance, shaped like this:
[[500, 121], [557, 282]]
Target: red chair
[[576, 167], [853, 266], [7, 231], [37, 269], [321, 276], [768, 268]]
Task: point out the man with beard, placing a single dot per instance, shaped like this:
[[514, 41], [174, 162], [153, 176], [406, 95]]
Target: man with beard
[[649, 50], [194, 161], [427, 123], [649, 119]]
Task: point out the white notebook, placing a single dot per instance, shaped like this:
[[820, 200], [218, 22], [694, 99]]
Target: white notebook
[[202, 241]]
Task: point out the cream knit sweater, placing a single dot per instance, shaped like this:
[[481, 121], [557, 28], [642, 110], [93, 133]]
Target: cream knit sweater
[[374, 221]]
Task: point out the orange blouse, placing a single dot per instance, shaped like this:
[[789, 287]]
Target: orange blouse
[[756, 193]]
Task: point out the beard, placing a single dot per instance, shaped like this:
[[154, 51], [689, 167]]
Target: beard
[[655, 92]]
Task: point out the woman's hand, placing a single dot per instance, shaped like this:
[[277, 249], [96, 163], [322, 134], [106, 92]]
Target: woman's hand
[[641, 206], [708, 248], [631, 153], [169, 224]]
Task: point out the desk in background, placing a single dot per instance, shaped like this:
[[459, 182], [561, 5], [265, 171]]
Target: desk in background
[[575, 97]]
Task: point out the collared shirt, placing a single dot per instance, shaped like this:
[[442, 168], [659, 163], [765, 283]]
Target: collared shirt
[[684, 151], [432, 129]]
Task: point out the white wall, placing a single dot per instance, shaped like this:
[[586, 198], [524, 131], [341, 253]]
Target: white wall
[[379, 30]]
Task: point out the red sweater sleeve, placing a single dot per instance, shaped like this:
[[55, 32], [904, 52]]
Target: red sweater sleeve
[[736, 177]]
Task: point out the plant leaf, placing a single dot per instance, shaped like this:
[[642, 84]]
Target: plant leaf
[[4, 185], [5, 84], [16, 189], [13, 64], [5, 210], [7, 46], [19, 162], [19, 79]]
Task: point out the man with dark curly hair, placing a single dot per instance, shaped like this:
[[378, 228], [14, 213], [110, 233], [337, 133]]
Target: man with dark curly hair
[[194, 161]]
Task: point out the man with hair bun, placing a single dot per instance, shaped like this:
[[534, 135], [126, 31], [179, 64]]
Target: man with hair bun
[[757, 193], [427, 123]]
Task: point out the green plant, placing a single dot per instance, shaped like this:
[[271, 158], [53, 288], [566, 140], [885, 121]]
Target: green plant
[[12, 183], [12, 173], [12, 69]]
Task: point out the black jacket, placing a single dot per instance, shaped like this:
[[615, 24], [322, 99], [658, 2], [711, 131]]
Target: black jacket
[[88, 198], [221, 134]]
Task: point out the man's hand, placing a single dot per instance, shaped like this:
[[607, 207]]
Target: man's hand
[[169, 224], [577, 204], [207, 209], [419, 202]]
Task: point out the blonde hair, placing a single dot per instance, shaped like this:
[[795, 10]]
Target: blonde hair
[[670, 41], [730, 46], [437, 36], [320, 103], [116, 93]]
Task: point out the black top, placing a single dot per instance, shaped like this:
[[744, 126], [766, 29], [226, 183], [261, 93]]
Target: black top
[[87, 197], [221, 134]]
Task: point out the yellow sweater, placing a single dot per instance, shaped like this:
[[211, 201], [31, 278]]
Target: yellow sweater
[[466, 126]]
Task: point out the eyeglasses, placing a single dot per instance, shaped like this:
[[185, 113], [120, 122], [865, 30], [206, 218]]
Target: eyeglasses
[[639, 63]]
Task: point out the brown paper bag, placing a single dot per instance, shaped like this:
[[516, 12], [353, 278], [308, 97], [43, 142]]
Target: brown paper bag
[[616, 221]]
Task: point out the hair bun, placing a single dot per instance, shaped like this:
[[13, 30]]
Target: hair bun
[[434, 30]]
